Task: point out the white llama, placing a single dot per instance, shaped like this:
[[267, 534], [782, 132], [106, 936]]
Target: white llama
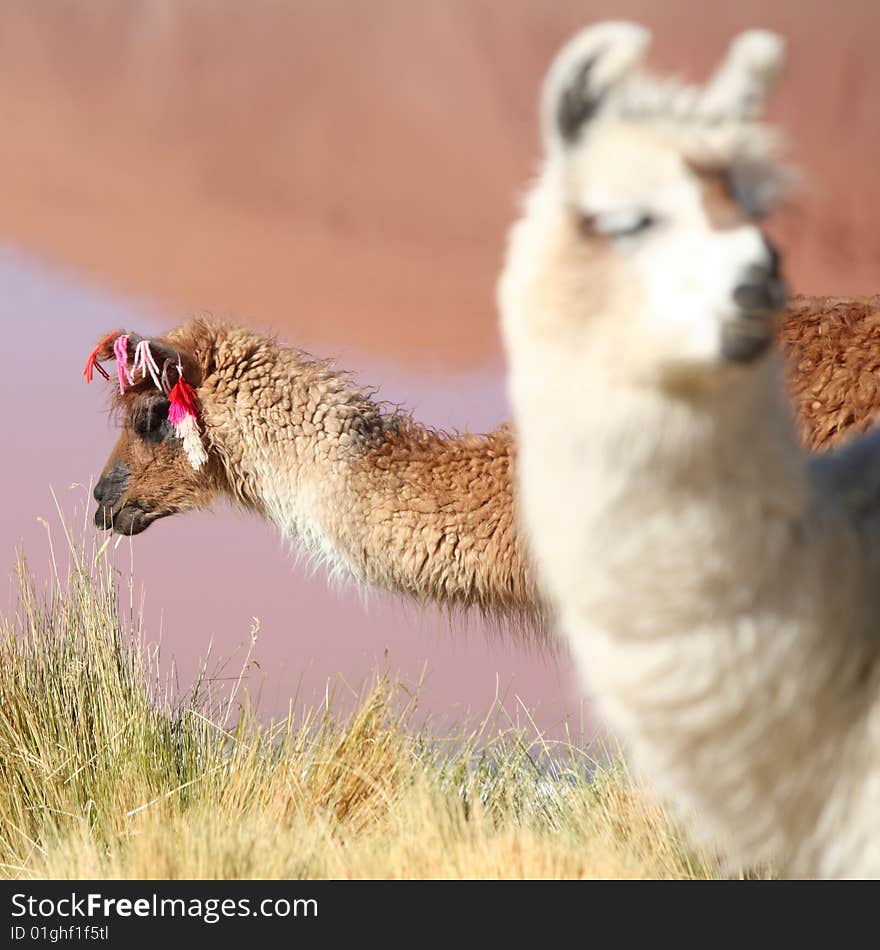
[[719, 589]]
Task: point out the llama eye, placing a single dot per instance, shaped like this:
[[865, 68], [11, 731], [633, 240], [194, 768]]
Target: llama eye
[[619, 223], [151, 420]]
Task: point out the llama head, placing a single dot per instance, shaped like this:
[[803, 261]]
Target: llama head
[[641, 242], [159, 465]]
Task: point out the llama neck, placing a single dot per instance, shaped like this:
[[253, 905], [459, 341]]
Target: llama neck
[[731, 452], [657, 486], [710, 598], [435, 519], [373, 495]]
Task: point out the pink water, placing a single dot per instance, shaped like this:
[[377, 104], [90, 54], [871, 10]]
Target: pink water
[[205, 577]]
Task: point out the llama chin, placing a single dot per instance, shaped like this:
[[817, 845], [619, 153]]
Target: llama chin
[[719, 589]]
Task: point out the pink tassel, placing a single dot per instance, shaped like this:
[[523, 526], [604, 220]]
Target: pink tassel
[[120, 351]]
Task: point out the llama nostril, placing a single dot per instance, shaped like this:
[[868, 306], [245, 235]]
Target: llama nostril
[[752, 297]]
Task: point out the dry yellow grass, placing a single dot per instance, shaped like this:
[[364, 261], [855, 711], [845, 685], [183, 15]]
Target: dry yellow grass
[[101, 776]]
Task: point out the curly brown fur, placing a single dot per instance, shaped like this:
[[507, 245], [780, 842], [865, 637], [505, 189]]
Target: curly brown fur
[[833, 348]]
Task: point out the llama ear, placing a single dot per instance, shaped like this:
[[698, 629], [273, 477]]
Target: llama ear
[[584, 70], [168, 362], [103, 350], [746, 75]]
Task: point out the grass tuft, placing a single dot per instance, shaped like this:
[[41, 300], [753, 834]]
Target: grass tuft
[[103, 775]]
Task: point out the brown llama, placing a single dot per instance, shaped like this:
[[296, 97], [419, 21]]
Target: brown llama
[[368, 491], [373, 493]]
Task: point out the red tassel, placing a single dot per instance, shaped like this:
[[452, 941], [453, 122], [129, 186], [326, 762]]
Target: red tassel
[[183, 415], [183, 402], [92, 363]]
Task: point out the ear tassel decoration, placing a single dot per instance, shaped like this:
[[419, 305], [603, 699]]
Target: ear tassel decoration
[[183, 415], [120, 351], [146, 362], [92, 363]]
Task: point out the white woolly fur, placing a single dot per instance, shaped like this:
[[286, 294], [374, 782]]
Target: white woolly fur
[[720, 592]]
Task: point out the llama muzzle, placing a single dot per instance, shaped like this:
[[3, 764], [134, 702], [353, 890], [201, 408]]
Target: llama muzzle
[[116, 511]]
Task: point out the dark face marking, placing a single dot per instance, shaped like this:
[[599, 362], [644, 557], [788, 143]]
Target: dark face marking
[[150, 419], [112, 484], [578, 103]]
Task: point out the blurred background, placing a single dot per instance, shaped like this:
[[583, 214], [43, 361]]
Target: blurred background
[[343, 173]]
